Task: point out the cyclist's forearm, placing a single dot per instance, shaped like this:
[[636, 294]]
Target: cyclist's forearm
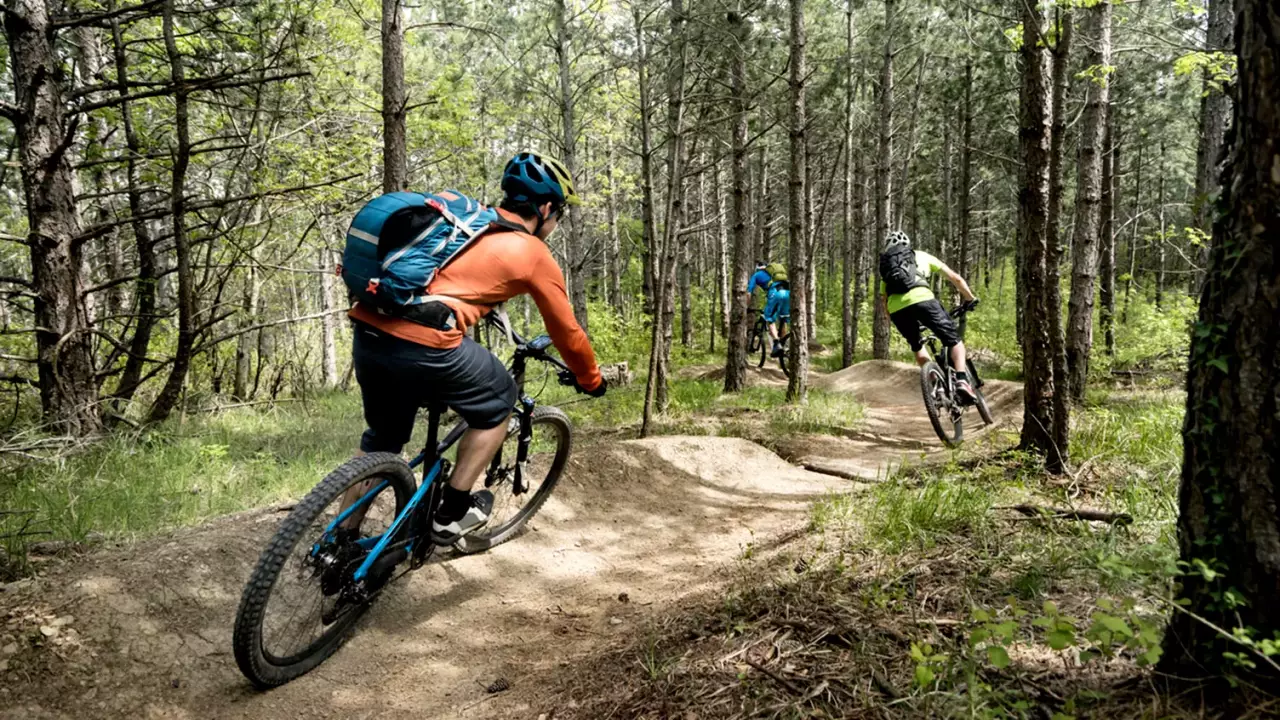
[[962, 286]]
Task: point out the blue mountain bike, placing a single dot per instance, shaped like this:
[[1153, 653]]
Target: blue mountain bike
[[341, 546]]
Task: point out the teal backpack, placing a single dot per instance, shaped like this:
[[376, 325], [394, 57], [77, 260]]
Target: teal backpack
[[399, 241]]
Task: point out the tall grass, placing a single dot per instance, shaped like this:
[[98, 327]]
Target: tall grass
[[180, 474]]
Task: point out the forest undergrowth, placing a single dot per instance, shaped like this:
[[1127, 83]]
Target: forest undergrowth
[[931, 596]]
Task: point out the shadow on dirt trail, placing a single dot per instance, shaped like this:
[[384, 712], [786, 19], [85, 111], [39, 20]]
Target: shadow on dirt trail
[[144, 630]]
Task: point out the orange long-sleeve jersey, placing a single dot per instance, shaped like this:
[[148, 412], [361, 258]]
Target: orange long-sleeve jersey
[[496, 268]]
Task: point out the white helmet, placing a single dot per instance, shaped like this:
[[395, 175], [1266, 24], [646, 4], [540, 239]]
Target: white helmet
[[896, 238]]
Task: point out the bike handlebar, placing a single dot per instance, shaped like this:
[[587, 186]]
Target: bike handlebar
[[963, 308]]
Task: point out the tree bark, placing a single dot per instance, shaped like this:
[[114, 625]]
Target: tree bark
[[1228, 525], [1037, 348], [1107, 249], [172, 390], [966, 163], [660, 353], [68, 390], [144, 292], [615, 265], [575, 254], [1215, 107], [1061, 57], [1085, 240], [884, 189], [798, 387], [328, 323], [735, 371], [395, 153], [848, 328], [648, 227]]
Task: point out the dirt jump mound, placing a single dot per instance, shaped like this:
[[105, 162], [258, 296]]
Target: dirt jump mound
[[145, 630]]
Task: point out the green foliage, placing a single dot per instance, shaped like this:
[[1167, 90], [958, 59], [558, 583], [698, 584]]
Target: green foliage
[[902, 517], [1219, 68]]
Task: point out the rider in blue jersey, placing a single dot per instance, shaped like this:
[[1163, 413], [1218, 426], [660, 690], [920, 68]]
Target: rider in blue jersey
[[772, 278], [777, 312]]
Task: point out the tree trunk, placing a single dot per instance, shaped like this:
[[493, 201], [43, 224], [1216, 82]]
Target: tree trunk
[[1107, 250], [735, 370], [328, 323], [1037, 347], [1215, 107], [848, 329], [660, 353], [395, 154], [68, 389], [1061, 57], [798, 387], [648, 228], [615, 265], [169, 395], [966, 162], [722, 253], [575, 255], [884, 189], [1085, 240], [144, 291], [1228, 527]]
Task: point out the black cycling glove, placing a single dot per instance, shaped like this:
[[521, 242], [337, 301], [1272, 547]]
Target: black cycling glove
[[568, 378]]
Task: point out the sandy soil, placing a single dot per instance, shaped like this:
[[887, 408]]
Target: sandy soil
[[143, 630]]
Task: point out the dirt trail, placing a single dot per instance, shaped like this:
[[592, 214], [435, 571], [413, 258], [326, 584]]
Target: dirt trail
[[144, 630]]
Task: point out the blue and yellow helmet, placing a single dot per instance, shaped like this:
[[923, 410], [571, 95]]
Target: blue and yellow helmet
[[536, 178]]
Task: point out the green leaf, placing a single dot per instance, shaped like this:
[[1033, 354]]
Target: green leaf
[[1219, 363], [998, 656], [1060, 639], [1049, 608], [924, 676], [1113, 623]]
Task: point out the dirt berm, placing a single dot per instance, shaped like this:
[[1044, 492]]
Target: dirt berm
[[896, 428], [144, 630]]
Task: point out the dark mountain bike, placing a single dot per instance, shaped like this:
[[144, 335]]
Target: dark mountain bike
[[758, 341], [328, 563], [938, 385]]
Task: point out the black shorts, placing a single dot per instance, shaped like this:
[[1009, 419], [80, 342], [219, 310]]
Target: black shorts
[[930, 314], [397, 377]]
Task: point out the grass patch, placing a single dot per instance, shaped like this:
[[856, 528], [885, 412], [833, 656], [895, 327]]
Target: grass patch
[[925, 597], [180, 474]]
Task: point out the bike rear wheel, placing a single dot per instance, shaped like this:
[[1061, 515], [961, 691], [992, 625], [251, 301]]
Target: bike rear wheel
[[298, 606], [980, 400], [513, 507], [941, 407]]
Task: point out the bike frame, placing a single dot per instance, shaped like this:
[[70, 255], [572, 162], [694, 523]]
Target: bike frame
[[943, 360], [414, 519]]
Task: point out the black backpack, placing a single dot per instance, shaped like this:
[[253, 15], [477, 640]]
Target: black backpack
[[898, 270]]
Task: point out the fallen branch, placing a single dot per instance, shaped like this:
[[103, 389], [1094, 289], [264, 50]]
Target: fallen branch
[[833, 471], [785, 682], [1053, 513]]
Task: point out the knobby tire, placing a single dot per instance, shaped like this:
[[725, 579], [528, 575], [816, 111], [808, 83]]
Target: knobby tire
[[258, 665]]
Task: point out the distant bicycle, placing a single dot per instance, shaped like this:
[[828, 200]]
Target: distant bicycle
[[339, 548], [938, 385], [758, 341]]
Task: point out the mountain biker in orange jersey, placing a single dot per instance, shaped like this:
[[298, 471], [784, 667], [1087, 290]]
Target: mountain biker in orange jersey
[[402, 365], [913, 303]]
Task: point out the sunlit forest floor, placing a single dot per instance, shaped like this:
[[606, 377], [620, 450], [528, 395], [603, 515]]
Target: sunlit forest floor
[[931, 596]]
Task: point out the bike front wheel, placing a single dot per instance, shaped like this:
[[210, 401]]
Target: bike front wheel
[[516, 500], [300, 603], [943, 412]]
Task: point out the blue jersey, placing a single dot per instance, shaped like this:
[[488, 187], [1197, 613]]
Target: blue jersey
[[760, 280], [778, 304]]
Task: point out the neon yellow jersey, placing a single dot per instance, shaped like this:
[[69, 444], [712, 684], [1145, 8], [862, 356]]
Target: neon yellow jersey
[[926, 265]]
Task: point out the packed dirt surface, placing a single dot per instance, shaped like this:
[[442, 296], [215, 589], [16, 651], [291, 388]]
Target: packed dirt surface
[[896, 428], [144, 630]]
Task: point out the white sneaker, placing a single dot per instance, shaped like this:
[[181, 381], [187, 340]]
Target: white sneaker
[[474, 519]]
